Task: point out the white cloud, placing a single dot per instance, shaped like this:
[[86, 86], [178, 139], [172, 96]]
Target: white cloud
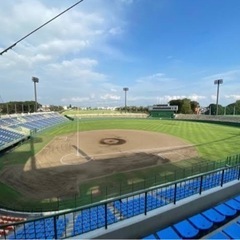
[[75, 99], [234, 97], [110, 96]]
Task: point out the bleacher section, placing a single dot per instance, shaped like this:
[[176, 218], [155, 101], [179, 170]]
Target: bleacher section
[[40, 229], [9, 137], [9, 220], [14, 129], [112, 212]]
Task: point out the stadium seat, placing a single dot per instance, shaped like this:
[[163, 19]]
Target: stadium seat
[[233, 231], [237, 198], [214, 216], [186, 229], [200, 222], [233, 204], [218, 235], [168, 233], [225, 210], [150, 237]]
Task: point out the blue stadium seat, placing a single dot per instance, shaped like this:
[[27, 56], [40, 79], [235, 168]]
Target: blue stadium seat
[[168, 233], [233, 204], [225, 210], [150, 237], [218, 235], [200, 222], [237, 198], [214, 216], [186, 229], [233, 231]]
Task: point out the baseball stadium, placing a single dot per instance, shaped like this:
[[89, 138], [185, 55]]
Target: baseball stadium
[[116, 175]]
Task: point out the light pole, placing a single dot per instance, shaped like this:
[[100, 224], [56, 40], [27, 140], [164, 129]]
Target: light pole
[[217, 82], [35, 80], [125, 90]]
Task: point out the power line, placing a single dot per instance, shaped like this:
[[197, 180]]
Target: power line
[[13, 45]]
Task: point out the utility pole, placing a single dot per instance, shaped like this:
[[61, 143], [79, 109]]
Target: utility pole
[[125, 90]]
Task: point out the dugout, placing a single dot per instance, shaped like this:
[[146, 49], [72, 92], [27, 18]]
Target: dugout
[[164, 111]]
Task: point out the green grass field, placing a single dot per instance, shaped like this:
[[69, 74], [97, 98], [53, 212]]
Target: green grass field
[[214, 143], [90, 111]]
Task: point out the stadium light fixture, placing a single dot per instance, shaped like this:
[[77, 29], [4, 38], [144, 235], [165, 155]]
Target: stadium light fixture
[[217, 82], [35, 81], [125, 90]]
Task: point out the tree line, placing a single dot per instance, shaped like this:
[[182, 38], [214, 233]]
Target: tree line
[[25, 107]]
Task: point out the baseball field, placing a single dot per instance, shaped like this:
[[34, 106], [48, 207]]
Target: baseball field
[[92, 159]]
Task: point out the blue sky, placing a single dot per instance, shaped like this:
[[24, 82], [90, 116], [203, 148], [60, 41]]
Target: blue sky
[[160, 49]]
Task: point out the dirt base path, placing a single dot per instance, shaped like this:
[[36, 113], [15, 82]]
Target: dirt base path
[[67, 161]]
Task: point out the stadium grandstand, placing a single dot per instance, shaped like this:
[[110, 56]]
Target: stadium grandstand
[[16, 128], [205, 205]]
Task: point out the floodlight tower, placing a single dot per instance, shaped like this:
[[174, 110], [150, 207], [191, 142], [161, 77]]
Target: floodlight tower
[[35, 81], [217, 82], [125, 90]]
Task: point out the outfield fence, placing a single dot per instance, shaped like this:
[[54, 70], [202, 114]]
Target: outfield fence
[[102, 214], [116, 189]]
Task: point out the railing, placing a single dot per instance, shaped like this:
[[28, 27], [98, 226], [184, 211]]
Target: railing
[[100, 215]]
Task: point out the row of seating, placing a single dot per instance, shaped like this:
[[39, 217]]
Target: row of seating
[[188, 188], [8, 220], [230, 232], [40, 121], [7, 136], [41, 229], [202, 223], [131, 207], [91, 219], [11, 128]]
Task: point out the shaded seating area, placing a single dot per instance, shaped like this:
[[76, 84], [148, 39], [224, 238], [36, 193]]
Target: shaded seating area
[[9, 136]]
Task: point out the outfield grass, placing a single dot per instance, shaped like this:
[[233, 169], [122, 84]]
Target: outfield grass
[[90, 111], [214, 143]]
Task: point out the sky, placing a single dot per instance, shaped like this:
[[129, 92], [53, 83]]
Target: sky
[[160, 49]]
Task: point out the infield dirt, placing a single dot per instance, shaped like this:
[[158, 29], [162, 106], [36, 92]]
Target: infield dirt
[[69, 160]]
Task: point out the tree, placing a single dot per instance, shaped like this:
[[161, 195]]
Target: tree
[[212, 109], [186, 106], [230, 109], [194, 106], [237, 107]]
